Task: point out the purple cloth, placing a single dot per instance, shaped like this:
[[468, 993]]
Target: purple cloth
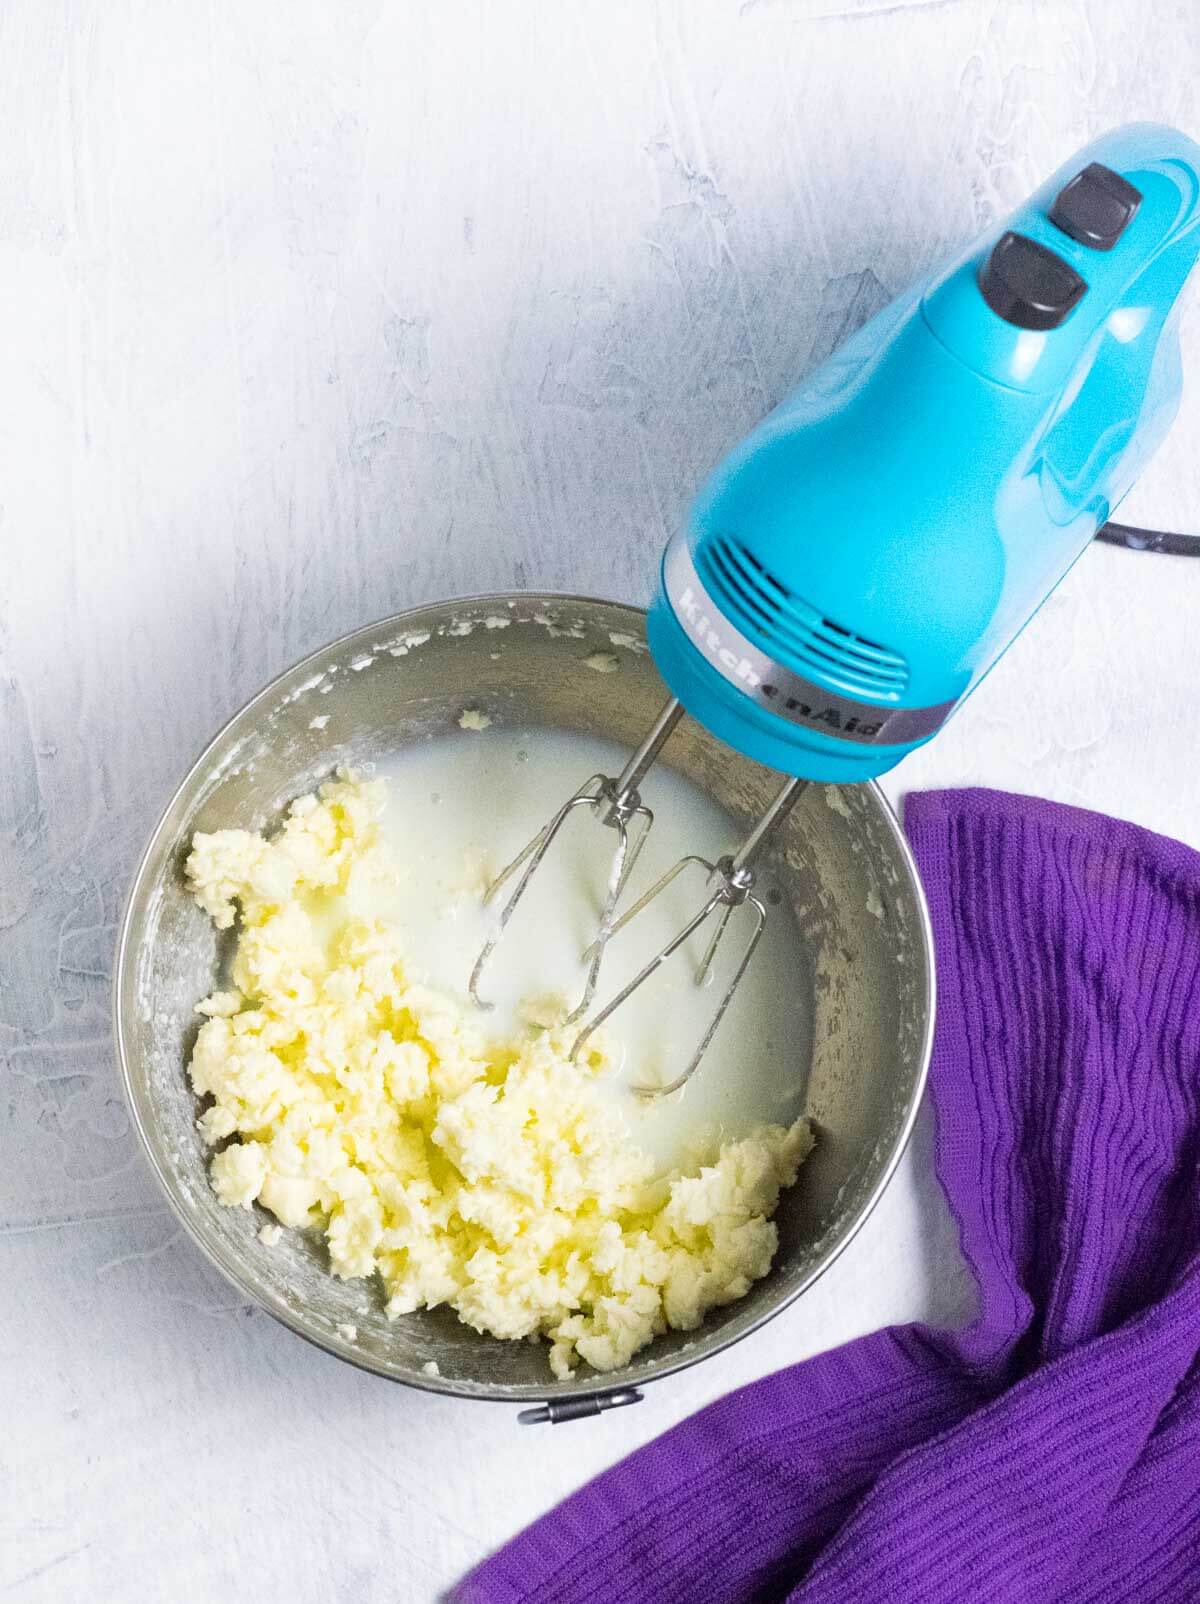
[[1051, 1450]]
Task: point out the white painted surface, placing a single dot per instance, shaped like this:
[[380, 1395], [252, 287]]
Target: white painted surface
[[313, 312]]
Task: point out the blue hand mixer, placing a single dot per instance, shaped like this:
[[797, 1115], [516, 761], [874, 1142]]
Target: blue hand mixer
[[853, 569]]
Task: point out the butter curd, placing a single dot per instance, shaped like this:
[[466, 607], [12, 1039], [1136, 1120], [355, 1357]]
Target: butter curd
[[483, 1171]]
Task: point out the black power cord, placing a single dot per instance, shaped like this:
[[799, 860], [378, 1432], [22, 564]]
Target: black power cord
[[1161, 540]]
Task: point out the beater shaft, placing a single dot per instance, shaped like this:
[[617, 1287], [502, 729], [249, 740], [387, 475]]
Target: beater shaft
[[631, 776], [781, 805]]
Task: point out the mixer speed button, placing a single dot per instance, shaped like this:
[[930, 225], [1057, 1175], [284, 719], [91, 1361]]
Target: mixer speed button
[[1028, 285], [1096, 207]]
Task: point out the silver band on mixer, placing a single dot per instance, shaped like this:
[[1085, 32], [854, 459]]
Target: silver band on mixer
[[773, 686]]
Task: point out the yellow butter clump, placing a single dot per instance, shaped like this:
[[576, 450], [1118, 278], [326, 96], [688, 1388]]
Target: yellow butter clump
[[486, 1174]]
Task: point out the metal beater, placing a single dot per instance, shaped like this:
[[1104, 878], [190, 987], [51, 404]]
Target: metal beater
[[730, 881], [618, 805], [852, 570]]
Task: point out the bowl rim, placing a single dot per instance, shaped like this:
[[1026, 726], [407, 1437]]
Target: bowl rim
[[590, 1386]]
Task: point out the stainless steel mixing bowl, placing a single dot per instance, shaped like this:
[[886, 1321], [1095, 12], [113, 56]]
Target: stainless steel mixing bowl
[[840, 860]]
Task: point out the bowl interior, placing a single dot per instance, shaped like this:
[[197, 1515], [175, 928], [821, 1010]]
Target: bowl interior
[[840, 860]]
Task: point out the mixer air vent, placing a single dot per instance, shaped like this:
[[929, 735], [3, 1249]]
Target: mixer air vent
[[798, 634]]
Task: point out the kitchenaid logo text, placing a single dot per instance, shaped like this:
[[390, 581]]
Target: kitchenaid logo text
[[700, 626]]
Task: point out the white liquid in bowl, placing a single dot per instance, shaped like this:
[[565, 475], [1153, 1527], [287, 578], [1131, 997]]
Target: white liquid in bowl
[[461, 806]]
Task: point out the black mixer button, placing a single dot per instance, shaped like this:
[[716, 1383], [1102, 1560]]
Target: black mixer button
[[1096, 207], [1029, 286]]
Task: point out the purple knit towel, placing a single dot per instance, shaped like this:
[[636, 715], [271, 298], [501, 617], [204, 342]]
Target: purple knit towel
[[1050, 1451]]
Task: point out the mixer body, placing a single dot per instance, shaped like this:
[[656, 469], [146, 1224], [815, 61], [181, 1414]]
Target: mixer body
[[854, 568], [852, 571]]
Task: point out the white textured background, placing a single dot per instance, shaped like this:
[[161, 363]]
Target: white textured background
[[314, 311]]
